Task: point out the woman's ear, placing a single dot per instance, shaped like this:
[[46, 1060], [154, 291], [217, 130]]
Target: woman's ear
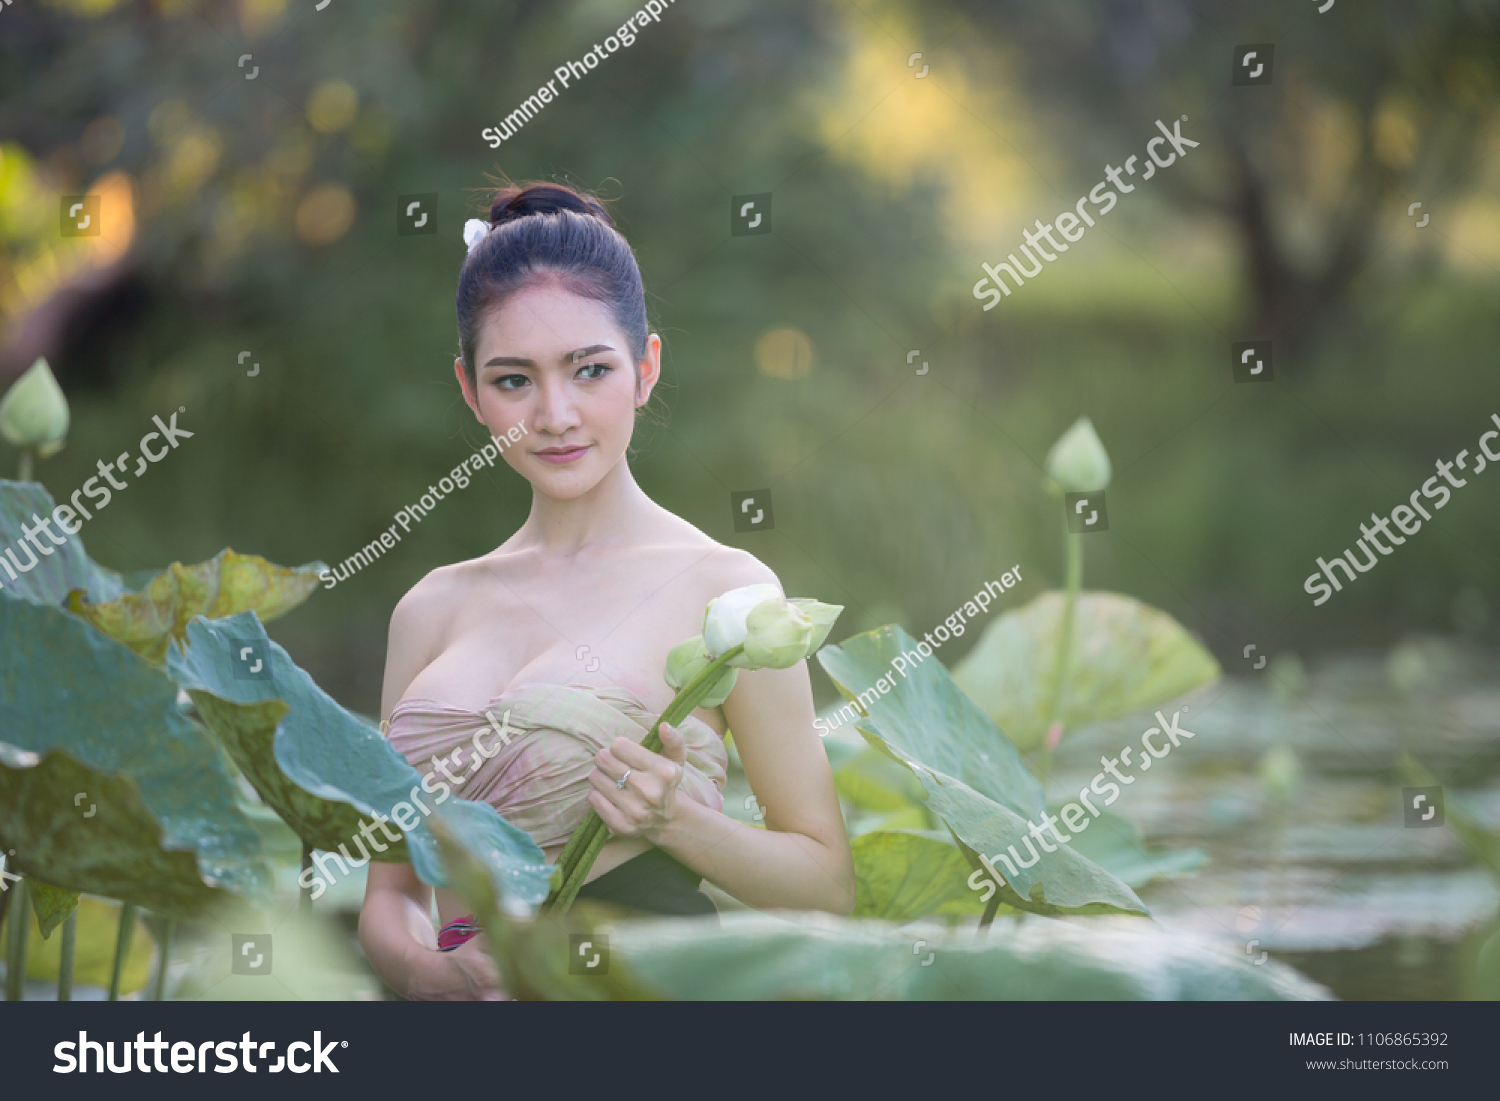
[[463, 382], [648, 371]]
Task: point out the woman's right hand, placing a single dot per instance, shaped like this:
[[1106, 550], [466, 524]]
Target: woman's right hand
[[468, 973]]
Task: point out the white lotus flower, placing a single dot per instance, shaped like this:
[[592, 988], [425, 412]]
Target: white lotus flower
[[724, 625]]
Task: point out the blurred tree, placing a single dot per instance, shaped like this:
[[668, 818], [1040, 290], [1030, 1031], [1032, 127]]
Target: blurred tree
[[1371, 106]]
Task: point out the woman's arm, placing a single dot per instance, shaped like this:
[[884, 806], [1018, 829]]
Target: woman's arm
[[395, 926], [801, 860]]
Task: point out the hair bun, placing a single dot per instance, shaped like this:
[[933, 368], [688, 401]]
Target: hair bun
[[512, 203]]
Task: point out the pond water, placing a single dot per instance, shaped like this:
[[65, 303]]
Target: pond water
[[1311, 858]]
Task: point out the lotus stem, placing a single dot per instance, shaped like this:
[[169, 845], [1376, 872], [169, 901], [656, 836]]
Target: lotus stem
[[1064, 644], [23, 469], [159, 987], [122, 948], [65, 964], [583, 847], [304, 901], [989, 912], [15, 949]]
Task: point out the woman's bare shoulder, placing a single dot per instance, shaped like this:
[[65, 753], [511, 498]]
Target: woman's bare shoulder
[[719, 567], [444, 591]]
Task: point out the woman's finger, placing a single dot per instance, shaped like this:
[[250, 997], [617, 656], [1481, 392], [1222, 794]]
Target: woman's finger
[[625, 799], [634, 755], [673, 744], [610, 815]]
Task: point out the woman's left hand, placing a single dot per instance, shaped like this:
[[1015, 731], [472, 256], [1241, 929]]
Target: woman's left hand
[[647, 803]]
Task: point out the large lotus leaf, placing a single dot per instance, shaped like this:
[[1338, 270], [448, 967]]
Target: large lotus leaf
[[105, 786], [54, 574], [225, 585], [750, 955], [1115, 844], [872, 781], [322, 769], [928, 719], [926, 709], [1058, 882], [904, 876], [93, 948], [51, 904], [1127, 656]]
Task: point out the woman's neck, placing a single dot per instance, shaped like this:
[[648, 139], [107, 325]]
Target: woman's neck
[[605, 515]]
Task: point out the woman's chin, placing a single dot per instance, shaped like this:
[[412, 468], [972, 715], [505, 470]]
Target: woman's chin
[[565, 485]]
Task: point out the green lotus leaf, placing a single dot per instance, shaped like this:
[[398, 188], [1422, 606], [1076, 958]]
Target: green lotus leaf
[[905, 876], [925, 715], [53, 574], [873, 781], [105, 786], [1115, 844], [50, 904], [225, 585], [321, 769], [929, 718], [1062, 881], [1126, 657], [748, 955]]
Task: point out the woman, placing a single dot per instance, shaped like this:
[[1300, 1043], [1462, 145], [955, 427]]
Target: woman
[[562, 632]]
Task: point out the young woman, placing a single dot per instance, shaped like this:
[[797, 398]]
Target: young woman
[[562, 632]]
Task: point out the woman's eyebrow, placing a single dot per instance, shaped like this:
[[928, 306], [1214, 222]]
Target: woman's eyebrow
[[570, 357]]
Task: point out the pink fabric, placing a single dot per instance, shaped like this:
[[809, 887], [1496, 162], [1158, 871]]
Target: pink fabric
[[538, 780]]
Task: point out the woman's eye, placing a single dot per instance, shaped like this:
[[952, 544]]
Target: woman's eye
[[599, 369], [512, 382]]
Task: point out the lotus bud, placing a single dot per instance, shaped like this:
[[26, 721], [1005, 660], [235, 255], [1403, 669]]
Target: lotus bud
[[689, 658], [724, 618], [34, 412], [822, 616], [777, 635], [1078, 462]]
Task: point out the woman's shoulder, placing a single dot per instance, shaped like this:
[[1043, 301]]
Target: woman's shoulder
[[441, 592], [719, 567]]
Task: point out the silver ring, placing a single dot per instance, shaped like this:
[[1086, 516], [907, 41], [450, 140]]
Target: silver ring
[[620, 783]]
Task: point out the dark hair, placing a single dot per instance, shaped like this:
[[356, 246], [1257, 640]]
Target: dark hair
[[545, 230]]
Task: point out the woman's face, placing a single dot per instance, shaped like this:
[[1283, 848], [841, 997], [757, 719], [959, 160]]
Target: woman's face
[[558, 365]]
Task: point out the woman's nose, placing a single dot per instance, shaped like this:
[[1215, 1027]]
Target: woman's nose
[[558, 411]]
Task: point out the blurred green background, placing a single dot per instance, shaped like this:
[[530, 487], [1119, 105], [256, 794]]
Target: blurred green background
[[259, 215]]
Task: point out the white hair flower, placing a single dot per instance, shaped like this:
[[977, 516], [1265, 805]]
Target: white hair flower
[[474, 231]]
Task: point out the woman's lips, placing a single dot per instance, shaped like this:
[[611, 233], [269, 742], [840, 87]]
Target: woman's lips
[[561, 454]]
